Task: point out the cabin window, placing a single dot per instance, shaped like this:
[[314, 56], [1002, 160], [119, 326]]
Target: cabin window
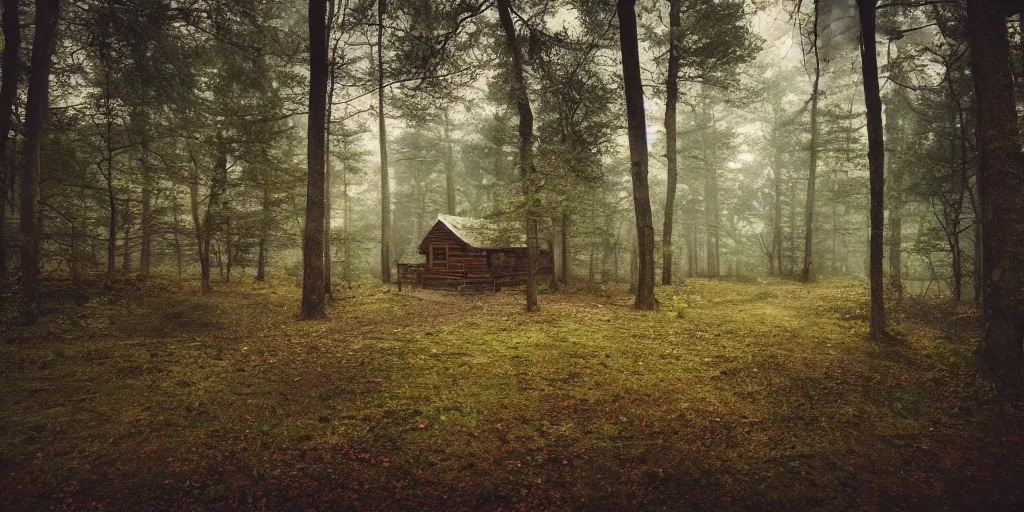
[[438, 256]]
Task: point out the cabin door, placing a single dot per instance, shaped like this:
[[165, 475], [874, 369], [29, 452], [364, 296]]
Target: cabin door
[[438, 257]]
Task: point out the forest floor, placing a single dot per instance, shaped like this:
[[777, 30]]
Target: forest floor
[[733, 395]]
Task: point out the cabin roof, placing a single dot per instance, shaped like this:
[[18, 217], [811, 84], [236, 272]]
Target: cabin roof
[[481, 233]]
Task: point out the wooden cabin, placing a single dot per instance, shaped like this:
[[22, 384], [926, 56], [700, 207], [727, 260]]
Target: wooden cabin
[[463, 251]]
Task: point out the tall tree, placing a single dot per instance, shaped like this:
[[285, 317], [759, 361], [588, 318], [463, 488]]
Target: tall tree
[[386, 240], [313, 238], [8, 93], [526, 171], [805, 273], [671, 99], [334, 41], [35, 114], [637, 131], [1001, 183], [876, 163]]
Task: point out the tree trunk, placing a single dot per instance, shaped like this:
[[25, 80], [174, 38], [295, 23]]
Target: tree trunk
[[201, 227], [526, 171], [112, 215], [590, 268], [958, 146], [634, 263], [126, 247], [146, 220], [805, 273], [35, 114], [229, 252], [672, 98], [261, 260], [617, 250], [876, 163], [692, 263], [8, 95], [897, 136], [895, 230], [565, 246], [833, 267], [108, 160], [332, 78], [637, 131], [213, 217], [176, 212], [777, 215], [261, 257], [449, 165], [386, 241], [711, 213], [791, 257], [1001, 186], [327, 200], [346, 253], [220, 260], [313, 239]]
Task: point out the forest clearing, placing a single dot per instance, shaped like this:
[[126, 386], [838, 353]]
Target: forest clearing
[[511, 255], [732, 395]]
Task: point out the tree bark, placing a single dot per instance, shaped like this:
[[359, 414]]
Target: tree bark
[[565, 246], [777, 214], [229, 252], [526, 170], [212, 217], [126, 247], [876, 163], [108, 159], [1001, 187], [895, 227], [327, 196], [633, 262], [35, 115], [346, 252], [313, 238], [332, 78], [672, 98], [711, 213], [637, 131], [201, 226], [146, 219], [805, 273], [8, 95], [897, 136], [261, 257], [791, 250], [176, 213], [386, 241]]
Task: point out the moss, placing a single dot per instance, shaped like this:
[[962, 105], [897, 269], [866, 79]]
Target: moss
[[761, 394]]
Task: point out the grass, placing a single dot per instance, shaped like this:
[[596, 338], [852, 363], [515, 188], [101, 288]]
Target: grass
[[733, 395]]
